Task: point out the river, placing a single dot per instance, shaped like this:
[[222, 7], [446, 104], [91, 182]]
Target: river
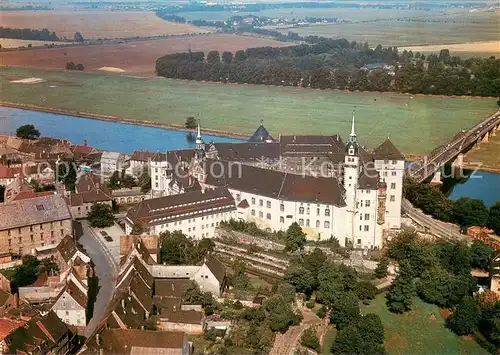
[[126, 138]]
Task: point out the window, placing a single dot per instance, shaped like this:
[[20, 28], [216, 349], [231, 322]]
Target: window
[[359, 241], [261, 214], [360, 228], [20, 240], [385, 173], [282, 219], [189, 229], [156, 170], [307, 223], [360, 217], [268, 204], [301, 222], [282, 208], [41, 227], [327, 224], [393, 173], [31, 237], [212, 224], [253, 200], [261, 203], [194, 228], [317, 212], [327, 212], [317, 224], [301, 210], [393, 185], [367, 203], [307, 210], [67, 313], [268, 216], [10, 241], [367, 216], [238, 197], [202, 226], [393, 198], [394, 162], [31, 227], [156, 184], [253, 212], [367, 228], [386, 161], [216, 224]]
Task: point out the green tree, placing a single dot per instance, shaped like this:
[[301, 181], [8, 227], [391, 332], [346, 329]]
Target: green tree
[[345, 310], [204, 247], [101, 215], [310, 340], [401, 293], [145, 181], [301, 278], [177, 249], [25, 274], [456, 258], [127, 181], [494, 217], [443, 288], [66, 173], [295, 238], [371, 328], [480, 254], [137, 229], [348, 341], [239, 279], [114, 181], [286, 290], [227, 57], [78, 37], [80, 67], [381, 269], [470, 212], [465, 318], [213, 57], [365, 290], [240, 56], [281, 315], [192, 294], [190, 123], [70, 66], [27, 131]]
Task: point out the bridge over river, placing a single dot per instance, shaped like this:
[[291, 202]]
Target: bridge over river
[[432, 165], [454, 150]]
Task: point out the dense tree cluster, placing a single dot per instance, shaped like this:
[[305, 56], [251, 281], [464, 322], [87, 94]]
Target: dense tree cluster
[[440, 273], [328, 63], [28, 34], [177, 249], [66, 173], [73, 66], [28, 131], [464, 211], [364, 337], [101, 215]]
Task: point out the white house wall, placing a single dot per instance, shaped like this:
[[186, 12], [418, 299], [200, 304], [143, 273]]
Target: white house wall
[[392, 171], [69, 311]]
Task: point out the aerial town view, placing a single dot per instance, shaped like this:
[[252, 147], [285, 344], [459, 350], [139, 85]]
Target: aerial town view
[[268, 177]]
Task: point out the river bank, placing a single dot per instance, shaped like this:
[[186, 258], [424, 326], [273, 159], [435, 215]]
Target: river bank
[[101, 117]]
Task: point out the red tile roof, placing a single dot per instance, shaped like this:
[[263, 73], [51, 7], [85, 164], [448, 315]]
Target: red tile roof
[[6, 172], [7, 326]]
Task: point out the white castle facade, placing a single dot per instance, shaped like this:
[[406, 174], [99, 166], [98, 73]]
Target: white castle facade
[[329, 188]]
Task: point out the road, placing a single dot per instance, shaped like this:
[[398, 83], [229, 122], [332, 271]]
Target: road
[[106, 270], [440, 229]]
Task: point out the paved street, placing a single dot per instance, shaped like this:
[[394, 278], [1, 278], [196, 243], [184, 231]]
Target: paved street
[[106, 271]]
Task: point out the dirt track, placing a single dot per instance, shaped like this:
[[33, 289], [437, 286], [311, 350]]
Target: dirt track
[[133, 57]]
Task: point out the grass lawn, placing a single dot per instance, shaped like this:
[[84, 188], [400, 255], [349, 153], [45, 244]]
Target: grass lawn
[[328, 341], [418, 331], [443, 28], [415, 124]]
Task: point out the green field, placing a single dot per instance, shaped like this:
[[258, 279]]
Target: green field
[[453, 28], [416, 124], [420, 331]]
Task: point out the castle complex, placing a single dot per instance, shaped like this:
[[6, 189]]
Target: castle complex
[[330, 188]]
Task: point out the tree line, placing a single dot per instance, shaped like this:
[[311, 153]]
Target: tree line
[[328, 63], [464, 211], [29, 34]]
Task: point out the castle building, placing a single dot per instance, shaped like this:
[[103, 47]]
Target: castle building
[[330, 188]]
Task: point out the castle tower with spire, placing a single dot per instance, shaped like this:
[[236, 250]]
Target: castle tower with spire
[[351, 176], [198, 169]]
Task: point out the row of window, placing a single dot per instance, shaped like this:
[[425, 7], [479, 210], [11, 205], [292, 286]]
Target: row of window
[[393, 173], [32, 237], [326, 224], [366, 228], [19, 230]]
